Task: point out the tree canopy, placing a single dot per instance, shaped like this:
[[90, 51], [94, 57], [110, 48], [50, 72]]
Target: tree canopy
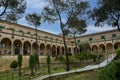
[[58, 10], [33, 19], [107, 12], [12, 10]]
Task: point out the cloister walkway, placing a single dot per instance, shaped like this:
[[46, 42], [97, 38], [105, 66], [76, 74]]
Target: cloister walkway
[[87, 68]]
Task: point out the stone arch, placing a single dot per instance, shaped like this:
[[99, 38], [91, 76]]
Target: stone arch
[[5, 46], [109, 47], [34, 48], [26, 48], [102, 48], [53, 50], [117, 45], [58, 50], [88, 48], [17, 46], [69, 51], [42, 49], [94, 49], [63, 50], [48, 49]]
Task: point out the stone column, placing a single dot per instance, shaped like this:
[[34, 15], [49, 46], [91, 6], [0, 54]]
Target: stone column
[[12, 50], [31, 50], [38, 49], [22, 48], [45, 50], [56, 50]]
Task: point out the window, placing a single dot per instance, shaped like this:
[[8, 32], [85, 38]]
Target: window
[[72, 41], [28, 32], [2, 27], [11, 29], [3, 45], [113, 35], [90, 39], [21, 31], [103, 48], [103, 37], [78, 41]]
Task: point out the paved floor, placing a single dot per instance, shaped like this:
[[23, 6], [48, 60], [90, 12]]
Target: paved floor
[[89, 67]]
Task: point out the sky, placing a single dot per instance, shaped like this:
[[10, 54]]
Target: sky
[[38, 5]]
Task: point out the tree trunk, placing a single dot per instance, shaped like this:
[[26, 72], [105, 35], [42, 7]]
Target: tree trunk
[[76, 49], [66, 51], [36, 40], [32, 73]]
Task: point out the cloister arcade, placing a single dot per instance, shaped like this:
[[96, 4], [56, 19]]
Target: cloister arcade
[[9, 46], [14, 42], [26, 48]]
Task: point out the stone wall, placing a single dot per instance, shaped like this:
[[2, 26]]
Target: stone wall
[[5, 61]]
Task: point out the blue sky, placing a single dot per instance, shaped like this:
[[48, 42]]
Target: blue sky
[[37, 6]]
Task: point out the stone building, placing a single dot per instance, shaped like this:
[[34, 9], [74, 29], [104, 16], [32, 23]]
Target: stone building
[[19, 39]]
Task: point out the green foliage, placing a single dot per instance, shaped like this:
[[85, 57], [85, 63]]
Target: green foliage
[[33, 19], [105, 13], [32, 61], [20, 60], [12, 10], [118, 52], [14, 65], [32, 64], [48, 63], [20, 63], [85, 55], [48, 59], [36, 61], [110, 72], [54, 12], [61, 58]]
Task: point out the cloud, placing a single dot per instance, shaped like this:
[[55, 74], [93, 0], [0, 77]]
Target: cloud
[[50, 31], [93, 29], [36, 4]]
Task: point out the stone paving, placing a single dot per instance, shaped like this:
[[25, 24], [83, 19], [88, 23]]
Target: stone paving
[[89, 67]]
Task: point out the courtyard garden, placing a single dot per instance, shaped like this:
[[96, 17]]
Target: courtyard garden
[[47, 65]]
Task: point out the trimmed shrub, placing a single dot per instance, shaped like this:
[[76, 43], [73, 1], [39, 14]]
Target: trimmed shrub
[[118, 53], [36, 61], [61, 58], [14, 65], [32, 64], [20, 63]]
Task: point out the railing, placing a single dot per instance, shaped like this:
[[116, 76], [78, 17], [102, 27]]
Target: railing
[[17, 33]]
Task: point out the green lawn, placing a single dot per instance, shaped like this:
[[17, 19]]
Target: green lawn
[[90, 75], [56, 67]]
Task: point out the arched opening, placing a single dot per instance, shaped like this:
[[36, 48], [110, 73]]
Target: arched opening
[[102, 48], [17, 45], [109, 48], [35, 48], [63, 51], [26, 48], [5, 46], [94, 49], [53, 50], [42, 49], [88, 49], [58, 50], [117, 45], [48, 49], [69, 51]]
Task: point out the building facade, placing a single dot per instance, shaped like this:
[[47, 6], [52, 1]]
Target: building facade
[[19, 39]]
